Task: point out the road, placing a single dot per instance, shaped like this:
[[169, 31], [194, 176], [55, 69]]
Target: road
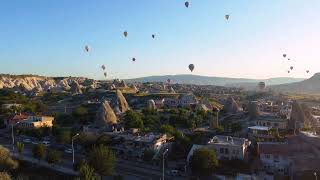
[[134, 170]]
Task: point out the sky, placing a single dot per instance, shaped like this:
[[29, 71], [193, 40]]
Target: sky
[[48, 38]]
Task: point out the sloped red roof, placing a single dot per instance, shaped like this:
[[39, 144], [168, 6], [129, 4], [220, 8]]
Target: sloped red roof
[[19, 117]]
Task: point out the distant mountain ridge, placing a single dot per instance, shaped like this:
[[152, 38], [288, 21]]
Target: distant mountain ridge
[[308, 86], [218, 81]]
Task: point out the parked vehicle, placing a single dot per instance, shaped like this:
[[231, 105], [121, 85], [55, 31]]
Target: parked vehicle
[[68, 151], [46, 143], [26, 141], [174, 172]]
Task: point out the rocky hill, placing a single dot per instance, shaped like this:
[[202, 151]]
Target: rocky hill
[[34, 83], [308, 86]]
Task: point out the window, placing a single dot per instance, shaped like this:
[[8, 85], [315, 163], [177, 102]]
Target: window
[[221, 150], [226, 151], [276, 158], [267, 156]]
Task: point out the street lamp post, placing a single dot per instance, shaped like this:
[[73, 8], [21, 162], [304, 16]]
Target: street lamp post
[[315, 174], [163, 154], [12, 136], [73, 138]]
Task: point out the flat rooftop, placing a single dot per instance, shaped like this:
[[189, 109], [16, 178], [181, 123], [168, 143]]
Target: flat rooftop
[[260, 128], [227, 140], [147, 138]]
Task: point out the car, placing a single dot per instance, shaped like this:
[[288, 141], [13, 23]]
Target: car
[[26, 141], [68, 151], [174, 172], [46, 143], [35, 142]]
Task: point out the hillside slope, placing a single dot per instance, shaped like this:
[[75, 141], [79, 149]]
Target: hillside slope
[[218, 81], [308, 86]]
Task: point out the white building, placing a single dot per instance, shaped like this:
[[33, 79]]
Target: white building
[[37, 122], [225, 147]]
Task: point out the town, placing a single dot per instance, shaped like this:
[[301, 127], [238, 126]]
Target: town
[[159, 90], [158, 130]]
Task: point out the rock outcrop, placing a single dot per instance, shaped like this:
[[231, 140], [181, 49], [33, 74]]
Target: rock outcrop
[[119, 83], [106, 116], [300, 114], [171, 90], [253, 109], [231, 106], [33, 83], [75, 88], [151, 104], [121, 102]]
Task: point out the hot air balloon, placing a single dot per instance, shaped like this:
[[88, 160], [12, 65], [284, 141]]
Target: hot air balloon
[[191, 67], [105, 74], [153, 36], [262, 85], [307, 71], [103, 67], [133, 59], [288, 59], [125, 33], [288, 71], [284, 55], [187, 4], [87, 48], [291, 67], [227, 16]]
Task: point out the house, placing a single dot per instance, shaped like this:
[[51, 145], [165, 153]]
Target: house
[[134, 144], [260, 133], [225, 147], [297, 158], [274, 157], [36, 122], [272, 121], [17, 119]]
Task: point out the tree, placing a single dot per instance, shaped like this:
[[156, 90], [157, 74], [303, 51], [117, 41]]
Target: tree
[[86, 172], [6, 161], [20, 147], [102, 160], [148, 155], [39, 151], [54, 157], [5, 176], [219, 129], [168, 129], [133, 120], [81, 114], [203, 162], [63, 136]]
